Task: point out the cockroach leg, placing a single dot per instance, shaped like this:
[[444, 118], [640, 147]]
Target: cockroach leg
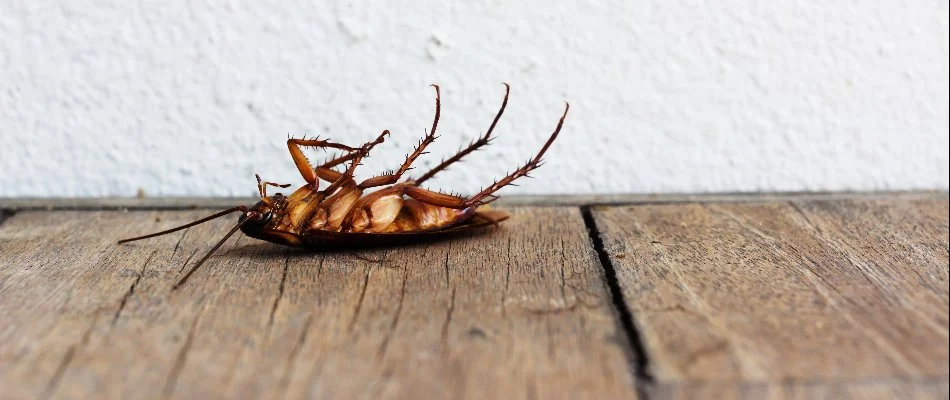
[[434, 198], [333, 162], [262, 186], [363, 151], [531, 165], [326, 171], [303, 165], [391, 178], [450, 201], [343, 177], [481, 141]]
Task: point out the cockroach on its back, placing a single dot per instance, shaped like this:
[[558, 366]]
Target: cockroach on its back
[[342, 215]]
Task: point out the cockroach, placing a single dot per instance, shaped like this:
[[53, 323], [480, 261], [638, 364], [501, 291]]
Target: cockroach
[[344, 215]]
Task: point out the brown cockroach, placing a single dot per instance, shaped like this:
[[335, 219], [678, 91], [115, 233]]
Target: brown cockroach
[[342, 215]]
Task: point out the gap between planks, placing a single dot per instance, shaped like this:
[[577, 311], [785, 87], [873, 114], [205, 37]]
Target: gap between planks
[[804, 294], [639, 359]]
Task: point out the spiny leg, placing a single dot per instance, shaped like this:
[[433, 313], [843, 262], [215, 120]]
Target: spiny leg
[[303, 164], [452, 201], [326, 172], [390, 178], [434, 198], [520, 172], [483, 140], [363, 151]]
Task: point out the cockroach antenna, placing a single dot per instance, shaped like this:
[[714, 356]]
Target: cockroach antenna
[[243, 209]]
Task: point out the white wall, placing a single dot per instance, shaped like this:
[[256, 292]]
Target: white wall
[[192, 98]]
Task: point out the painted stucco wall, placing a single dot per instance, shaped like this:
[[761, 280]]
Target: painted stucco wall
[[192, 98]]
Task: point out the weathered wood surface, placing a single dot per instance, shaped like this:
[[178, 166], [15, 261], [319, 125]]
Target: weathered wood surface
[[828, 297], [522, 311], [820, 297]]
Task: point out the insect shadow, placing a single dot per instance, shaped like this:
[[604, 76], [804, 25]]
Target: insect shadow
[[366, 251]]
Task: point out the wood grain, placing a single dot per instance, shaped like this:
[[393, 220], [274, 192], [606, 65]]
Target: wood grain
[[778, 295], [521, 311], [810, 296]]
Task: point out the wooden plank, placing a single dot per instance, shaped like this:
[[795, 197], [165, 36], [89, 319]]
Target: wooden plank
[[777, 292], [186, 203], [521, 311]]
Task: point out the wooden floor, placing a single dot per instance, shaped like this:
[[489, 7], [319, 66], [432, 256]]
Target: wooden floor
[[799, 296]]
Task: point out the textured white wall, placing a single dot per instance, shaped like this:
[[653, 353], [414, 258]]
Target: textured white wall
[[192, 98]]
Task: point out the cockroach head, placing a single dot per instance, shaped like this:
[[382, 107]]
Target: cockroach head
[[260, 214]]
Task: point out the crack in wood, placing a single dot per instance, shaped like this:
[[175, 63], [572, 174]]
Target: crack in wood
[[128, 294], [359, 303], [290, 365], [392, 327], [636, 349], [280, 295], [60, 371], [448, 317], [563, 281], [323, 259], [5, 215], [187, 260], [53, 385], [180, 238], [445, 264], [504, 292]]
